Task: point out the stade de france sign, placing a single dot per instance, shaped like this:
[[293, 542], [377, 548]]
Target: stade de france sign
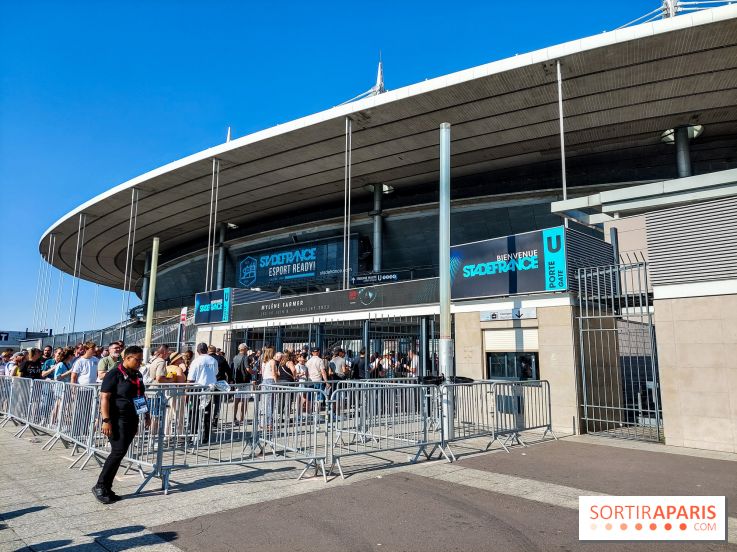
[[522, 263]]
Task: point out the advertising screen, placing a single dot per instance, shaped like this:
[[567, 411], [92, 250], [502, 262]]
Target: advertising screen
[[212, 307], [522, 263], [312, 262]]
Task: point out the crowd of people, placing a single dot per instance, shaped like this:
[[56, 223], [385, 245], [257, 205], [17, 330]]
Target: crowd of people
[[87, 363], [123, 379]]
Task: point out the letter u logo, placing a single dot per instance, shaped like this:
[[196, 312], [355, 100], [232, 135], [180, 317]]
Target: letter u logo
[[554, 244]]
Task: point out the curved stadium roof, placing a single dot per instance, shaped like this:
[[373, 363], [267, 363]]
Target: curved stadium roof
[[621, 90]]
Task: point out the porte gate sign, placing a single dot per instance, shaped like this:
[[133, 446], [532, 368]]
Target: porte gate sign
[[652, 518]]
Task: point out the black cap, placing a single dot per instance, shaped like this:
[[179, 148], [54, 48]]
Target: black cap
[[315, 349]]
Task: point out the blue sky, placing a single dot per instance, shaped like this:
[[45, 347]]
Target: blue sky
[[95, 93]]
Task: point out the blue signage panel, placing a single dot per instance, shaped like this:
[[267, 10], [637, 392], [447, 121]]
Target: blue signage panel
[[313, 262], [522, 263], [212, 307]]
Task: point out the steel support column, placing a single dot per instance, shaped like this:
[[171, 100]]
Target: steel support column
[[424, 350], [221, 258], [445, 343], [378, 237], [144, 283], [151, 299], [279, 338], [683, 151], [365, 338]]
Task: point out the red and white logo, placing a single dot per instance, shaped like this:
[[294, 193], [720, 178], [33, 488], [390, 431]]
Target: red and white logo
[[631, 518]]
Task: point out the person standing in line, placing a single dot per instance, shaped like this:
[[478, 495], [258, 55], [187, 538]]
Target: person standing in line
[[203, 371], [111, 361], [63, 368], [122, 402], [47, 355], [337, 364], [287, 372], [316, 369], [269, 375], [4, 361], [47, 370], [240, 367], [359, 366], [32, 367], [413, 364], [84, 370], [11, 368], [157, 366]]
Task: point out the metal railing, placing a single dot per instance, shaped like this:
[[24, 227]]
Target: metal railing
[[197, 427], [495, 410], [370, 418]]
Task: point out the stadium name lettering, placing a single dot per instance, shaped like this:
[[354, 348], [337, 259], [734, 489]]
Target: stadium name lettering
[[505, 263], [215, 305], [288, 257]]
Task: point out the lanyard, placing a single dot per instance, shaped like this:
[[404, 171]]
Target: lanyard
[[137, 381]]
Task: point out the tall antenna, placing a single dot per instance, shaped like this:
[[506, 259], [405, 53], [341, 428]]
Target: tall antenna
[[376, 89]]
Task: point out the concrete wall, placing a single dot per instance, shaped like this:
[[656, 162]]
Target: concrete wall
[[211, 337], [697, 357], [632, 235], [556, 353], [558, 365]]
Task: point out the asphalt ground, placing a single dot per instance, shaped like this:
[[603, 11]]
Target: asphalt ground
[[412, 512], [616, 471], [400, 512]]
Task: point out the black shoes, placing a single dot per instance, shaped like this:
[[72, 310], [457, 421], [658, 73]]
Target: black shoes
[[101, 494], [105, 496]]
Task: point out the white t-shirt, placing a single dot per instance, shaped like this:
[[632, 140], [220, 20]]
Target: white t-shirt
[[86, 370], [203, 370], [314, 368]]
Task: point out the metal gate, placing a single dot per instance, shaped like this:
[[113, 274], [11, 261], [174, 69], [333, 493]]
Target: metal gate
[[619, 382], [378, 335]]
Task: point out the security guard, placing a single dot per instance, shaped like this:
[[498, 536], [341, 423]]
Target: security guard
[[122, 402]]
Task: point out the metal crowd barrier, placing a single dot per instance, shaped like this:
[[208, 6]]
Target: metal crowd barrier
[[196, 427], [245, 427], [367, 419], [497, 410]]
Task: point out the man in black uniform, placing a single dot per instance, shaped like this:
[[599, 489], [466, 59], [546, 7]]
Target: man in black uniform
[[122, 401]]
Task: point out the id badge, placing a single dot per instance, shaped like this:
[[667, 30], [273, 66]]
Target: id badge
[[141, 405]]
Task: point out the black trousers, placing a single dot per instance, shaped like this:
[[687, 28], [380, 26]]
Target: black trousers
[[124, 430]]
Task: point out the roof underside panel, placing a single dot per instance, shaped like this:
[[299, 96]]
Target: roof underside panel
[[619, 97]]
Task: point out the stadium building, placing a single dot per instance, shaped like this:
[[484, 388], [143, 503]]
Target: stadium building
[[593, 229]]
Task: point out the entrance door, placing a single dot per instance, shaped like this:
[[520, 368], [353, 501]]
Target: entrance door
[[620, 389]]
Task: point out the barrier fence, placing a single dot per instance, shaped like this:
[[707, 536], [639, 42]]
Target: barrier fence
[[314, 424]]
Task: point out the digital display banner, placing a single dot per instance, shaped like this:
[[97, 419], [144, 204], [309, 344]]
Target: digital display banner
[[313, 262], [522, 263], [414, 292], [212, 307]]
